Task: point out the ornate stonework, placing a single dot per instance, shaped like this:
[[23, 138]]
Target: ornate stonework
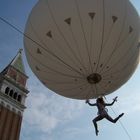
[[13, 93]]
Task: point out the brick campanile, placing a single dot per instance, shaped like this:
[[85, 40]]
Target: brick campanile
[[13, 93]]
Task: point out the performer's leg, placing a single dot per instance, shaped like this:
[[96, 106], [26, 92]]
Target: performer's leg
[[98, 118], [113, 120]]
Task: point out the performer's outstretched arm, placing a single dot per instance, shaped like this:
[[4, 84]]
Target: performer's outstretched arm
[[87, 102], [110, 104]]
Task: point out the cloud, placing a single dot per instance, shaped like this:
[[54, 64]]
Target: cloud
[[48, 114], [130, 104], [46, 110]]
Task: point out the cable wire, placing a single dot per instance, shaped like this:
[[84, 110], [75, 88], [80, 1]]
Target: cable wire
[[51, 53], [122, 125]]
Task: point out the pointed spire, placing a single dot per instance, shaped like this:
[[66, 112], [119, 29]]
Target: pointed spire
[[68, 21], [20, 50], [92, 15], [17, 62]]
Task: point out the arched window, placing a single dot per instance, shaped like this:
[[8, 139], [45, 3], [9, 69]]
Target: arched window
[[19, 98], [11, 93], [15, 95], [7, 90]]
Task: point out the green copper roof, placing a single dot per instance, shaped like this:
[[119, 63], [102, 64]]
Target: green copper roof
[[17, 62]]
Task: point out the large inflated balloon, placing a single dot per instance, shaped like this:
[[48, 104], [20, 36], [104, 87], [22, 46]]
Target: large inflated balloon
[[83, 48]]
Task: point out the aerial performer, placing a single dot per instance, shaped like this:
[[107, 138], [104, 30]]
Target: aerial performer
[[102, 112]]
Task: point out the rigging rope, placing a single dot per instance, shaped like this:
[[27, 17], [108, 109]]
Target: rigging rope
[[122, 125], [51, 53]]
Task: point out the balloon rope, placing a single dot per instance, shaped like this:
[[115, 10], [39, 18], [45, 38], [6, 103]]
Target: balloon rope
[[122, 125], [14, 27], [56, 42]]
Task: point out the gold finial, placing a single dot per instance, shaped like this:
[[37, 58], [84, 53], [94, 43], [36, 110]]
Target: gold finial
[[20, 50]]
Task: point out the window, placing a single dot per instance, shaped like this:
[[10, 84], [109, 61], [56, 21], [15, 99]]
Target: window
[[15, 95], [19, 98], [7, 90], [11, 93]]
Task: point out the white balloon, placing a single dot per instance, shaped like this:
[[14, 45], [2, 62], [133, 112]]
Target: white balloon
[[83, 49]]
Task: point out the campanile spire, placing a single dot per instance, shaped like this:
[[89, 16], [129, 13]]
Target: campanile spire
[[13, 93]]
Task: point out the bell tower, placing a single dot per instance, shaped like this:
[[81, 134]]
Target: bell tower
[[13, 93]]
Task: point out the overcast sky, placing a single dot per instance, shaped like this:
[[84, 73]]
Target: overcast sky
[[51, 117]]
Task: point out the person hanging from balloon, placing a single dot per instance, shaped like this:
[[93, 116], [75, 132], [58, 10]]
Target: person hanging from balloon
[[102, 112]]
